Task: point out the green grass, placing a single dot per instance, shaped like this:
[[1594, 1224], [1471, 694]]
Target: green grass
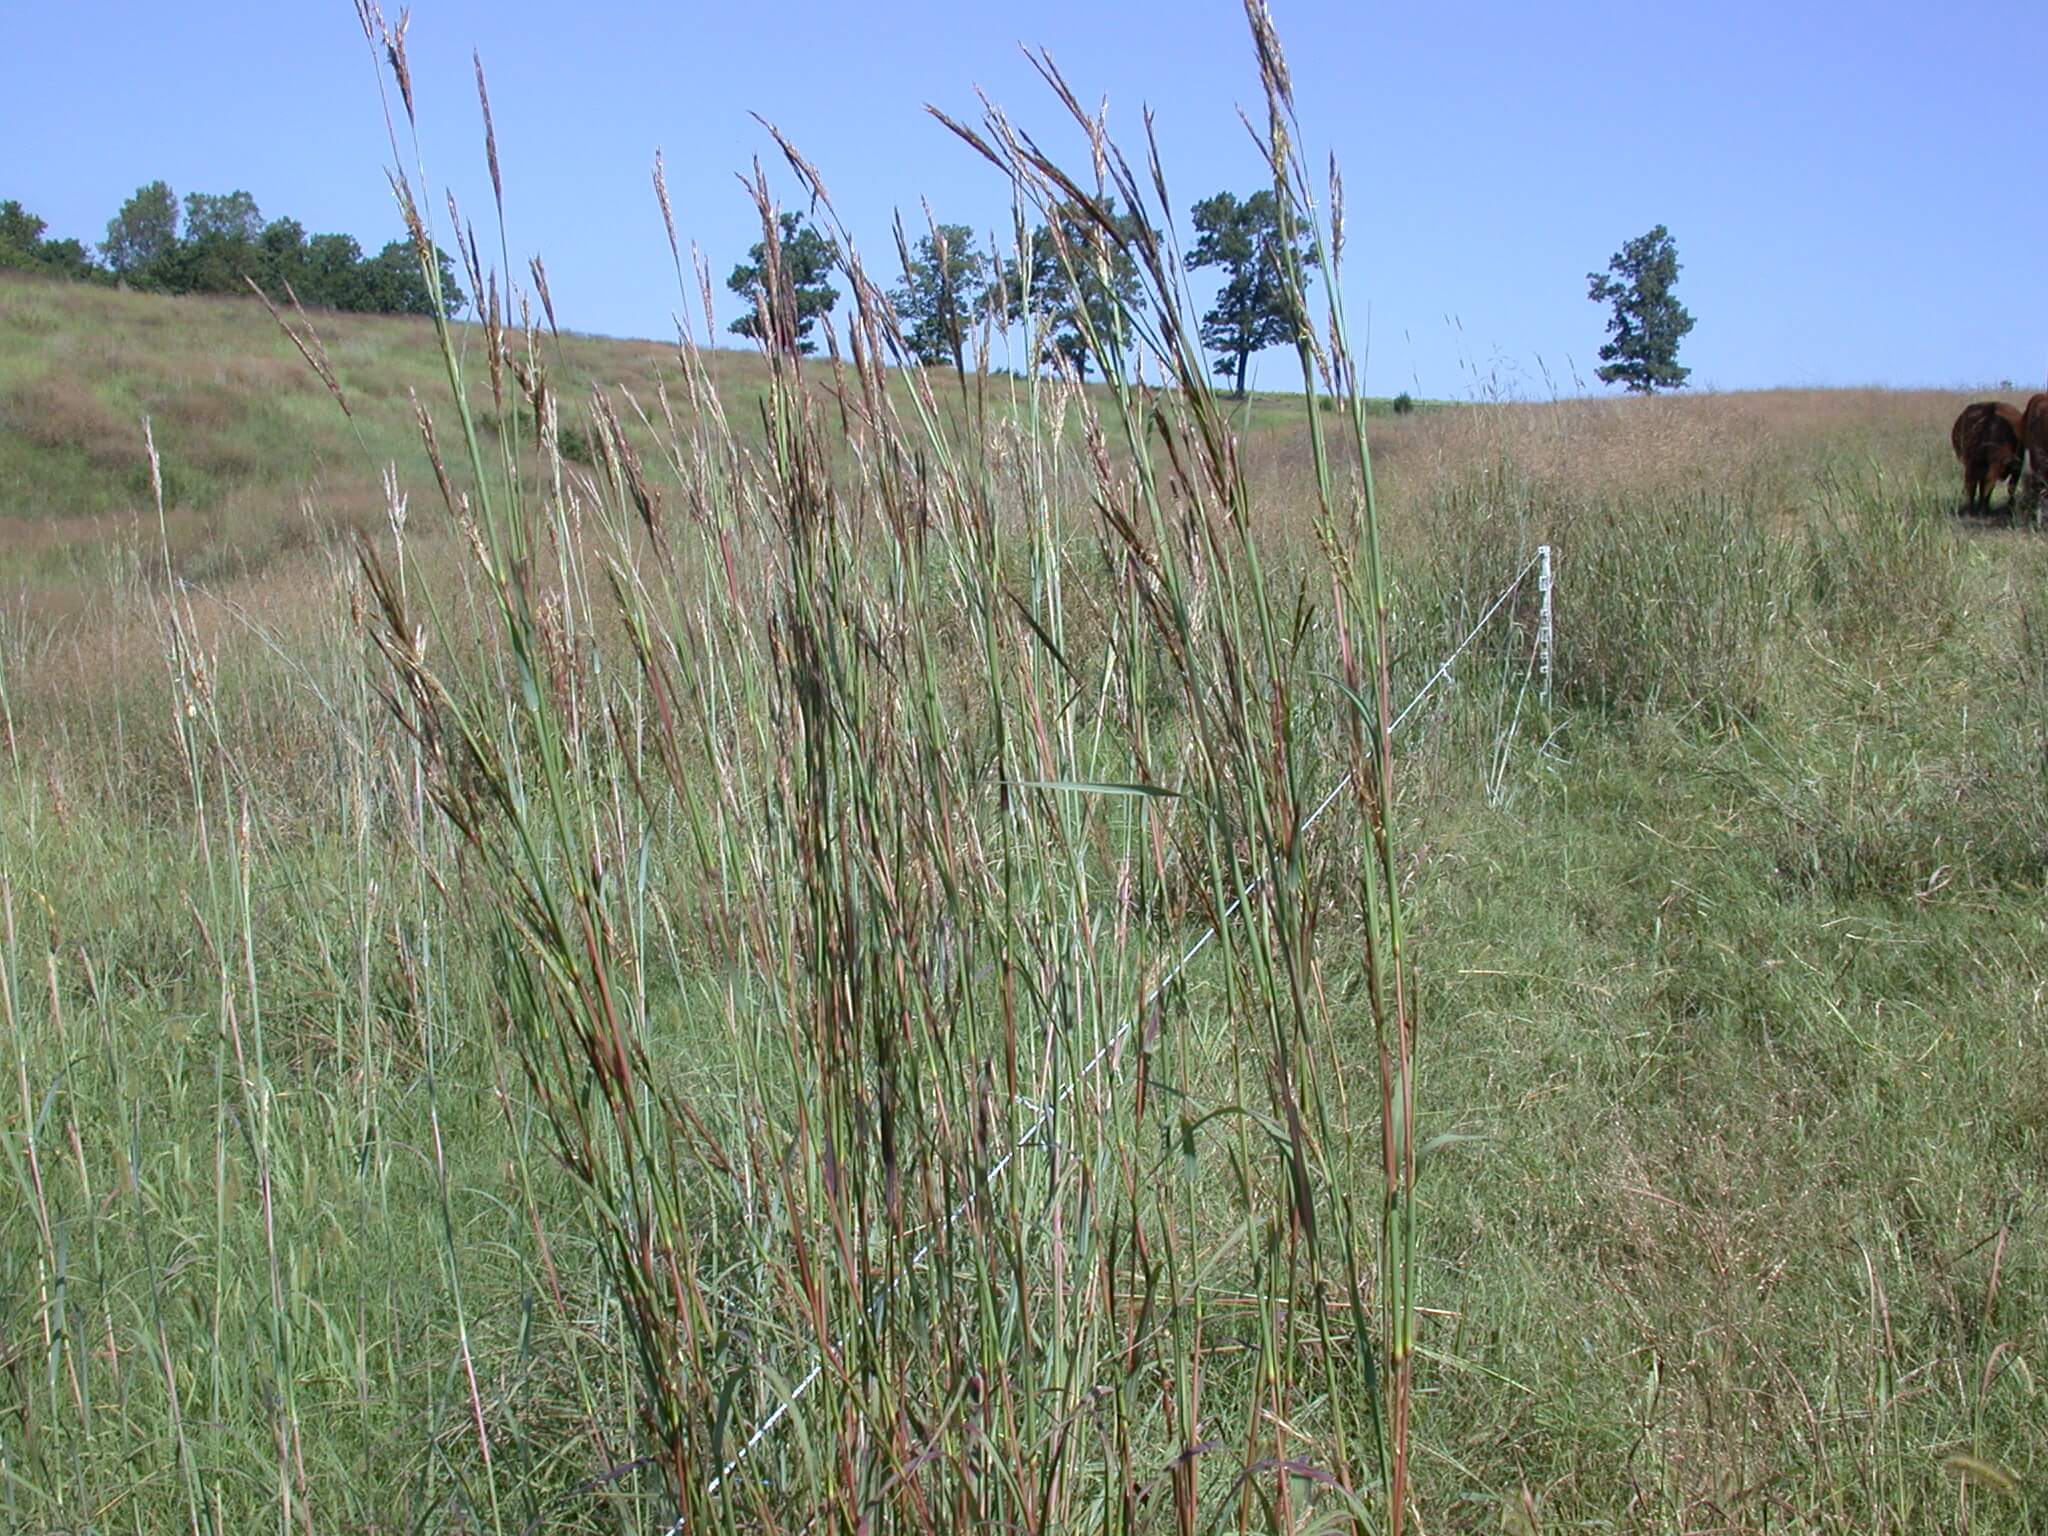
[[1737, 993], [1715, 1064], [1740, 996], [326, 1206]]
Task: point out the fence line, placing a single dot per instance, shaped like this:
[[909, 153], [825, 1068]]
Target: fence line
[[1540, 563]]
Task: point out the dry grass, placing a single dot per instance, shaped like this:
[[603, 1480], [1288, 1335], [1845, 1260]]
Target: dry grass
[[60, 412], [1775, 443]]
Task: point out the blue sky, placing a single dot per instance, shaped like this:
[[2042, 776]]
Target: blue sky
[[1845, 183]]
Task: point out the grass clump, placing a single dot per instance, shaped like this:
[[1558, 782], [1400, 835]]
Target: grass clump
[[639, 967]]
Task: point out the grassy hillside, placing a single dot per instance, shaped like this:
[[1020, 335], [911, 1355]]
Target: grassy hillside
[[1730, 964], [246, 428]]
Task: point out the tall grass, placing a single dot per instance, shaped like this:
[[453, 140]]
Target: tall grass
[[669, 987], [1004, 706]]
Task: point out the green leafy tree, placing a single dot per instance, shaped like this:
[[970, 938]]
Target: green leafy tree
[[220, 249], [334, 273], [1068, 303], [943, 282], [69, 258], [393, 284], [21, 238], [1255, 309], [807, 257], [231, 217], [23, 248], [225, 244], [281, 257], [142, 233], [1648, 322]]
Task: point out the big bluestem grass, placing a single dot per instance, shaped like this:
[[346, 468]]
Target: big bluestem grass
[[923, 739]]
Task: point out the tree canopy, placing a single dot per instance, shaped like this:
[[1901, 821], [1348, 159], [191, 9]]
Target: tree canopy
[[944, 280], [331, 272], [229, 216], [1647, 322], [23, 248], [143, 232], [1256, 308], [1077, 279], [805, 257], [221, 243]]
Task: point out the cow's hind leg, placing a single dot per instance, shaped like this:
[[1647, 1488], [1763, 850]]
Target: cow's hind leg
[[1987, 484]]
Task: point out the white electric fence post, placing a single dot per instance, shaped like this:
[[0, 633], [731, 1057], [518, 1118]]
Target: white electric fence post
[[1545, 634]]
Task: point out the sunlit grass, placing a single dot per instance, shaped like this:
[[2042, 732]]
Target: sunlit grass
[[487, 1015]]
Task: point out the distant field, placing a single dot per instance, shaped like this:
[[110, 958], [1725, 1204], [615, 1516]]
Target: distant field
[[265, 477], [1731, 963]]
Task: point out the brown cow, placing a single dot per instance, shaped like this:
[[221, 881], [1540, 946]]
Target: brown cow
[[2034, 445], [1986, 438]]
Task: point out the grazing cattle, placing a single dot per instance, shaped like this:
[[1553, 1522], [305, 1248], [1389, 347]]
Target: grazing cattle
[[2034, 446], [1986, 438]]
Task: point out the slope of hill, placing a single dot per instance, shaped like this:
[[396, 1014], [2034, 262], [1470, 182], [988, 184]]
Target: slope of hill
[[244, 427]]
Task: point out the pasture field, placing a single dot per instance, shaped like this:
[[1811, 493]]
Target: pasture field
[[500, 962], [1730, 974]]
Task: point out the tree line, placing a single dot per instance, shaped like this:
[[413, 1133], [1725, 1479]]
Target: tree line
[[218, 243], [1066, 275]]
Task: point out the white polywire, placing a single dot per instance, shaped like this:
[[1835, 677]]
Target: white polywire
[[1045, 1115]]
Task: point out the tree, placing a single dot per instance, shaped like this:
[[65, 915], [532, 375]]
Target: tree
[[21, 237], [143, 232], [219, 250], [334, 277], [806, 257], [1648, 321], [1255, 309], [227, 243], [942, 282], [23, 248], [228, 216], [1068, 304], [281, 258], [393, 284], [68, 258]]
